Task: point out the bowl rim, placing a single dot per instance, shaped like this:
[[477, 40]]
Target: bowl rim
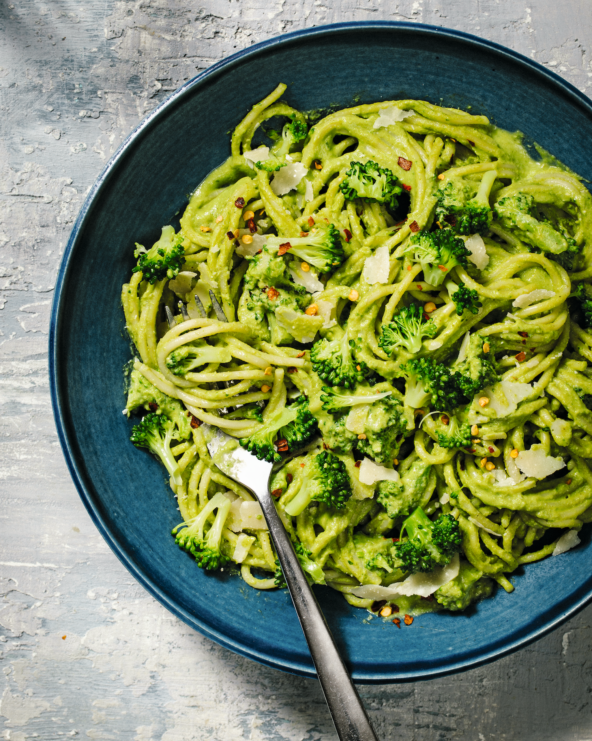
[[363, 676]]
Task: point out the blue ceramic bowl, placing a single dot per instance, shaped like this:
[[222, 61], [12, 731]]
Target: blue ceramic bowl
[[143, 187]]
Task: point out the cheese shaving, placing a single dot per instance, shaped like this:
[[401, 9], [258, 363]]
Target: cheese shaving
[[527, 299], [476, 247], [535, 463], [566, 542], [327, 311], [390, 116], [288, 178], [309, 280], [182, 283], [249, 250], [356, 423], [256, 155], [376, 267], [420, 585], [371, 472], [308, 191], [242, 547]]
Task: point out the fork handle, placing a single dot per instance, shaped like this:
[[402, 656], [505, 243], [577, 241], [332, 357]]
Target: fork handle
[[349, 716]]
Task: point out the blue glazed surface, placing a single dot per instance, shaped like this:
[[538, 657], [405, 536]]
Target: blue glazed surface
[[145, 186]]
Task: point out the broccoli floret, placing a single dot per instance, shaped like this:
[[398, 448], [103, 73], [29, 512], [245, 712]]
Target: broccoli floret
[[518, 211], [581, 304], [453, 434], [335, 434], [333, 362], [205, 546], [469, 586], [294, 424], [156, 433], [429, 382], [466, 216], [466, 298], [438, 252], [293, 133], [400, 498], [385, 428], [267, 269], [429, 543], [370, 182], [313, 572], [376, 553], [187, 357], [334, 400], [476, 371], [164, 260], [325, 480], [321, 247], [406, 330], [143, 394]]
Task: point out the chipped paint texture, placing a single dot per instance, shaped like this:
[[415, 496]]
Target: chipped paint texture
[[85, 652]]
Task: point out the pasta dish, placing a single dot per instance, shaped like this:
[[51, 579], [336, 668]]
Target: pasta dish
[[392, 303]]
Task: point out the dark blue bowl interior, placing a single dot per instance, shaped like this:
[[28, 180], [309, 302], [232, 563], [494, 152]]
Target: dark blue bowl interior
[[145, 187]]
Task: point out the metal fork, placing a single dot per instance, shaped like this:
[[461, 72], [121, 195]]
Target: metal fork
[[347, 711]]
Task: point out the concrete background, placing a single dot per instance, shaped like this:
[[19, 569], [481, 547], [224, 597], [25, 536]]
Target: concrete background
[[84, 651]]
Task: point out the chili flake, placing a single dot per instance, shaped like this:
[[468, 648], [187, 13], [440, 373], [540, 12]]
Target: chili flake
[[291, 369], [318, 165], [311, 221], [523, 334], [240, 202], [276, 492], [282, 445], [205, 228], [230, 235], [404, 164], [252, 226], [153, 406], [272, 293], [289, 478], [283, 248], [357, 464], [300, 354], [407, 619], [195, 422], [414, 226], [397, 622], [378, 605], [407, 188], [521, 357], [348, 235]]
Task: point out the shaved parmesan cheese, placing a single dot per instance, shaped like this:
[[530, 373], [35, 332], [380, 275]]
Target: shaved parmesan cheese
[[561, 431], [476, 247], [302, 327], [566, 542], [421, 585], [376, 267], [234, 520], [445, 498], [308, 191], [182, 283], [390, 116], [257, 155], [242, 547], [249, 250], [537, 464], [370, 472], [356, 423], [487, 530], [510, 391], [527, 299], [252, 516], [288, 178], [462, 353], [327, 311], [502, 478], [309, 280]]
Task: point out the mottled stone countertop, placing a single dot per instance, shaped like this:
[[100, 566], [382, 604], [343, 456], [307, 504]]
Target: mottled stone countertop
[[84, 650]]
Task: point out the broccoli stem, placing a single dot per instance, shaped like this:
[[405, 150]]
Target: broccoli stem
[[300, 501]]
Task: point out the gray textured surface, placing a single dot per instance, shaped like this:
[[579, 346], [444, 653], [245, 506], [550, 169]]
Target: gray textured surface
[[84, 650]]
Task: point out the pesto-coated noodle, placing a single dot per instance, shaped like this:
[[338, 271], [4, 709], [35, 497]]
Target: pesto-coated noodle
[[407, 299]]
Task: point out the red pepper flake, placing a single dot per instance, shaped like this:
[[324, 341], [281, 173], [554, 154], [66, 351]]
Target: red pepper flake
[[357, 464], [63, 638], [407, 188], [240, 202], [283, 248], [289, 478], [317, 165], [523, 334], [282, 445], [404, 164], [471, 143], [408, 267], [521, 357], [301, 354], [230, 235], [568, 482], [252, 226], [490, 449], [325, 446], [153, 406], [276, 492], [311, 221], [272, 293], [304, 234], [450, 220], [395, 608], [397, 622], [407, 619], [195, 422], [348, 235], [414, 226], [443, 268], [378, 605], [419, 286], [292, 370], [395, 540], [400, 223]]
